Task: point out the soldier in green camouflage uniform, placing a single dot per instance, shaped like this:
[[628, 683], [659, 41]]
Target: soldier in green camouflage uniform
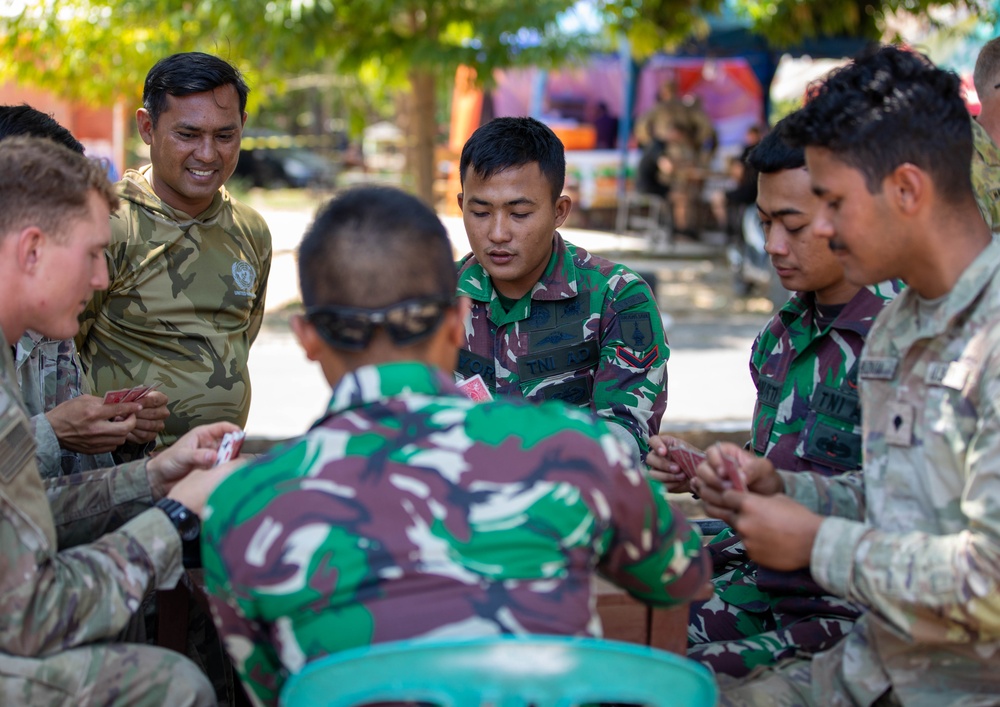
[[916, 539], [549, 320], [807, 418], [986, 134], [408, 509], [188, 263], [61, 606]]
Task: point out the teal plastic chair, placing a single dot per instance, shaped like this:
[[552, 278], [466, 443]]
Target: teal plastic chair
[[540, 671]]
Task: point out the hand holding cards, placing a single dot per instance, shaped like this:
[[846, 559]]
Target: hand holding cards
[[731, 472], [129, 395], [686, 456], [230, 446]]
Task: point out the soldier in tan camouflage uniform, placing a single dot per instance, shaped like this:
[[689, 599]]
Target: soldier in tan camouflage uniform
[[986, 134], [73, 431], [916, 540], [188, 263], [61, 606]]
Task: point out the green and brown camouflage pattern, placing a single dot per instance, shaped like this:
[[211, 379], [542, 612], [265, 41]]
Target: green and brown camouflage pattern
[[410, 510], [588, 333], [807, 418], [186, 301], [986, 175], [916, 539]]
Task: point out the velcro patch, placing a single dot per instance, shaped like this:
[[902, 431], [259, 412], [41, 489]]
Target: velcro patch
[[470, 364], [637, 330], [644, 362], [833, 447], [575, 391], [555, 361]]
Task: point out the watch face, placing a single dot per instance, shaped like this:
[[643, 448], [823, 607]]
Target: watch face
[[188, 525]]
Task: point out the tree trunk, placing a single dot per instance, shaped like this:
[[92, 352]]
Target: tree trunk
[[422, 133]]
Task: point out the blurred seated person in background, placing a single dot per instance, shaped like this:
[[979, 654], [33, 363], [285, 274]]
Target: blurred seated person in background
[[410, 510], [986, 134], [74, 431], [807, 418], [729, 204], [607, 128]]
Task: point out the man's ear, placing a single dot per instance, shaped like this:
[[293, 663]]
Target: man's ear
[[29, 244], [461, 200], [563, 206], [908, 187], [305, 333], [144, 123], [460, 312]]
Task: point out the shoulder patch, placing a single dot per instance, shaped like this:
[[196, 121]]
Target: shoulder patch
[[634, 300], [637, 330]]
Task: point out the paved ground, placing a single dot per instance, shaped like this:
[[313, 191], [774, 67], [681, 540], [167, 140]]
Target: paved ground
[[709, 330]]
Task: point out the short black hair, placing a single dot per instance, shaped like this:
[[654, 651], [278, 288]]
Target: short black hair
[[509, 142], [375, 246], [888, 107], [774, 154], [25, 120], [187, 73]]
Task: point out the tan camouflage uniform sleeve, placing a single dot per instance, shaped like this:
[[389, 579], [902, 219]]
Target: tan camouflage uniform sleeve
[[48, 453], [55, 600], [85, 506]]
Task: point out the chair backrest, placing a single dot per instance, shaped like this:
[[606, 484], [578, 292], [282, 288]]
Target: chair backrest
[[541, 671]]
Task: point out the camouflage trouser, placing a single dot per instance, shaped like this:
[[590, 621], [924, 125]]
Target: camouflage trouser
[[800, 683], [121, 674], [743, 627]]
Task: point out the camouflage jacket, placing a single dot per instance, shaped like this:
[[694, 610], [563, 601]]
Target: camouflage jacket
[[185, 303], [49, 373], [807, 417], [410, 510], [986, 175], [925, 559], [589, 333], [53, 600], [807, 414]]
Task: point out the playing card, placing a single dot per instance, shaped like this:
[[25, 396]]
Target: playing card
[[731, 471], [476, 389], [686, 456], [148, 389], [133, 394], [116, 396], [230, 446]]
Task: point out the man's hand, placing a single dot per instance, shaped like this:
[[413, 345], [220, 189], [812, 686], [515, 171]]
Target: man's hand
[[714, 488], [777, 532], [662, 463], [86, 425], [149, 421], [194, 489], [195, 450]]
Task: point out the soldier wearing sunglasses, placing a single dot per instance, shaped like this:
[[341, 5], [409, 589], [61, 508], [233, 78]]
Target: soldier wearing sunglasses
[[549, 320], [409, 509]]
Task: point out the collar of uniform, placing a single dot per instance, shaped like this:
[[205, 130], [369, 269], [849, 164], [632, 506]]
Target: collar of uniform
[[558, 281], [370, 384], [135, 187], [857, 316], [970, 286], [984, 145], [28, 342]]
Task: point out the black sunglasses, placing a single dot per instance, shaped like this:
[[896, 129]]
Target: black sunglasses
[[406, 322]]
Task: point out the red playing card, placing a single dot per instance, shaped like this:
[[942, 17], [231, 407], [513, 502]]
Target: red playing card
[[476, 389], [731, 471], [686, 456], [116, 396], [229, 448]]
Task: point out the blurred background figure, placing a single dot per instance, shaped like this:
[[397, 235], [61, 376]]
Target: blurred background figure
[[607, 128]]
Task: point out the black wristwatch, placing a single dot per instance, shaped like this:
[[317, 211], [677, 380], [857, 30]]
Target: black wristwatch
[[185, 520]]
